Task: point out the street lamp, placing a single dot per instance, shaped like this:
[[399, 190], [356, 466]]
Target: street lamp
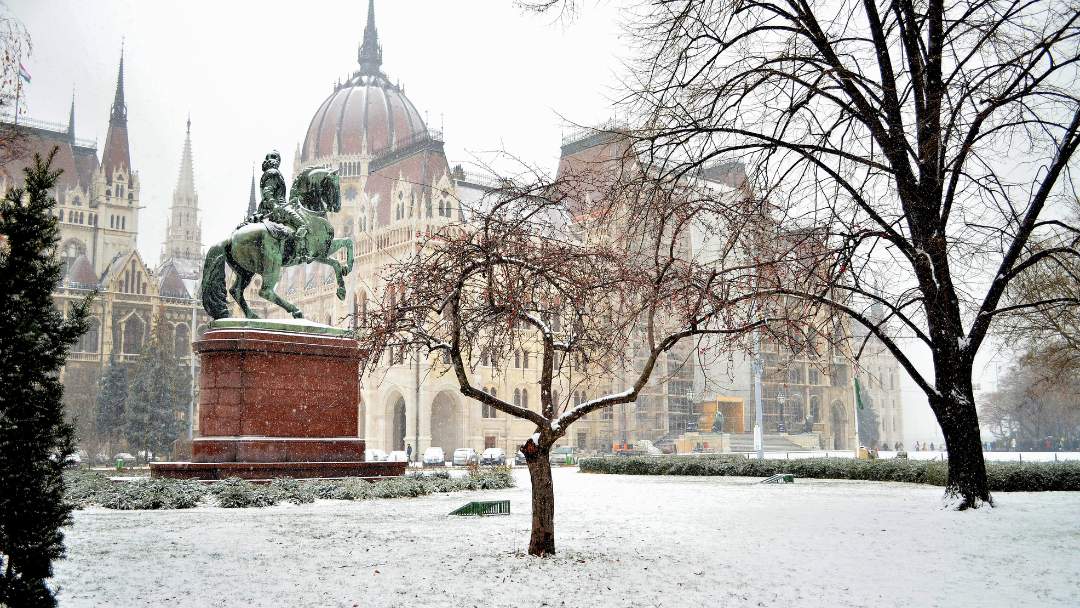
[[691, 422], [781, 398]]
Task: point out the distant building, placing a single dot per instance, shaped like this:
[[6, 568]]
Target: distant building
[[98, 211], [879, 383]]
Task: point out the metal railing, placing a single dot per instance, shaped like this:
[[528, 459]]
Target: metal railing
[[45, 125]]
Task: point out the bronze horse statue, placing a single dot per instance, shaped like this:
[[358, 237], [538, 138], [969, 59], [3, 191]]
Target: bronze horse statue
[[258, 249]]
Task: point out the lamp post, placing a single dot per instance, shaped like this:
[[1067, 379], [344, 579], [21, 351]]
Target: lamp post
[[691, 421], [758, 365], [781, 398]]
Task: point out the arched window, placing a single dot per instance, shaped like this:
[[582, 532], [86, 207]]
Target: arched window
[[181, 340], [524, 398], [517, 397], [517, 358], [134, 329], [815, 408], [440, 207], [525, 360], [88, 343]]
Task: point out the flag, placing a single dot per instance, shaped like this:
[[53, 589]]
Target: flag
[[858, 394], [24, 73]]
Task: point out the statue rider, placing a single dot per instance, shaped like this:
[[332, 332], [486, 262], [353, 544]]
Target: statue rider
[[288, 223]]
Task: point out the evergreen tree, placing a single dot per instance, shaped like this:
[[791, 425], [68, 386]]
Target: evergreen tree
[[159, 389], [35, 439], [111, 400]]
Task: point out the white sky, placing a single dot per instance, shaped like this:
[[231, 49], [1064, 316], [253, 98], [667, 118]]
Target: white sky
[[252, 74]]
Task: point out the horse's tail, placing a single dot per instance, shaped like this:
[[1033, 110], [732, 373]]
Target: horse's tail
[[213, 281]]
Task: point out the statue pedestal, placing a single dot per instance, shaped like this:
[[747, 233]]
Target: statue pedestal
[[277, 403]]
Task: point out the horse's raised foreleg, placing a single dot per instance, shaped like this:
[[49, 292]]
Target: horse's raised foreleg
[[338, 274], [336, 245], [269, 281]]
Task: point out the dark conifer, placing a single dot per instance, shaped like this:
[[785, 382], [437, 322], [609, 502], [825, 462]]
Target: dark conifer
[[35, 439]]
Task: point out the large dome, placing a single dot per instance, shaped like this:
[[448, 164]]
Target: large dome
[[366, 111]]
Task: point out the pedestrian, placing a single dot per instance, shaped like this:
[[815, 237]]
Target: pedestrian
[[931, 446], [408, 452]]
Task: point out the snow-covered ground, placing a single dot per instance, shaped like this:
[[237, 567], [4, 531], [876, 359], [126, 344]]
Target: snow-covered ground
[[622, 541]]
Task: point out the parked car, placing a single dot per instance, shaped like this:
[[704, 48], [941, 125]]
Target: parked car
[[493, 456], [519, 459], [397, 456], [563, 455], [464, 456], [434, 457], [374, 455], [73, 461]]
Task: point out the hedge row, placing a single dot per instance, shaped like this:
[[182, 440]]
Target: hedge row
[[85, 489], [1002, 476]]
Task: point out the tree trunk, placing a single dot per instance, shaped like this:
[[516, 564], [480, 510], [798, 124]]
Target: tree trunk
[[542, 539], [966, 487]]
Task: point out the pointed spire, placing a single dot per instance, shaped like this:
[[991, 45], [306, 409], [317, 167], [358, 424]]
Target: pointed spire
[[185, 184], [183, 237], [71, 119], [370, 55], [117, 154], [119, 108], [251, 196]]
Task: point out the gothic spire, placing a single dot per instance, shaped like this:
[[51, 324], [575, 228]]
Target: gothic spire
[[116, 154], [185, 184], [119, 108], [251, 197], [183, 236], [370, 55], [71, 119]]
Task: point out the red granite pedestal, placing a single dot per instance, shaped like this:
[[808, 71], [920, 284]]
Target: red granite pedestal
[[277, 404]]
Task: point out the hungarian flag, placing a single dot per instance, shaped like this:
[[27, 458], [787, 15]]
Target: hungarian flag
[[24, 73]]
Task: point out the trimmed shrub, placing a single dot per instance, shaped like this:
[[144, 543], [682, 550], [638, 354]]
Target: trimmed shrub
[[85, 489], [1001, 476], [292, 490], [236, 493]]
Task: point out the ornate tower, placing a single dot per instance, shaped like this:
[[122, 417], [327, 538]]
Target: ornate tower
[[116, 186], [183, 237], [252, 202]]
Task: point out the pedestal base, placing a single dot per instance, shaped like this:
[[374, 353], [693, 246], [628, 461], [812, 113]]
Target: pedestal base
[[274, 402], [270, 470]]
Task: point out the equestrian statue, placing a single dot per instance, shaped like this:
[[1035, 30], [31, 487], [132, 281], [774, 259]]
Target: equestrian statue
[[283, 232]]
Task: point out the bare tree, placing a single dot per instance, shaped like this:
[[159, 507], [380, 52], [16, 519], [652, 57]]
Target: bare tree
[[1034, 403], [596, 273], [930, 141], [15, 47]]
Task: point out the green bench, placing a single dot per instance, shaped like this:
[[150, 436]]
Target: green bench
[[484, 507], [780, 478]]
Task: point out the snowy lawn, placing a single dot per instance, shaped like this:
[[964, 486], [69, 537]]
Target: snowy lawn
[[622, 541]]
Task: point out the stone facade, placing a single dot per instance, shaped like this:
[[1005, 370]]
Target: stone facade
[[98, 206]]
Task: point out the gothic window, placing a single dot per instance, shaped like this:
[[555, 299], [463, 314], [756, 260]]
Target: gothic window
[[133, 335], [181, 340], [606, 414], [440, 207], [815, 408], [517, 358], [427, 204], [76, 201], [88, 343], [517, 397], [524, 398], [525, 360]]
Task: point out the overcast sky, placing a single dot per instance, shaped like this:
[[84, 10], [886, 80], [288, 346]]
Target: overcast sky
[[251, 75]]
